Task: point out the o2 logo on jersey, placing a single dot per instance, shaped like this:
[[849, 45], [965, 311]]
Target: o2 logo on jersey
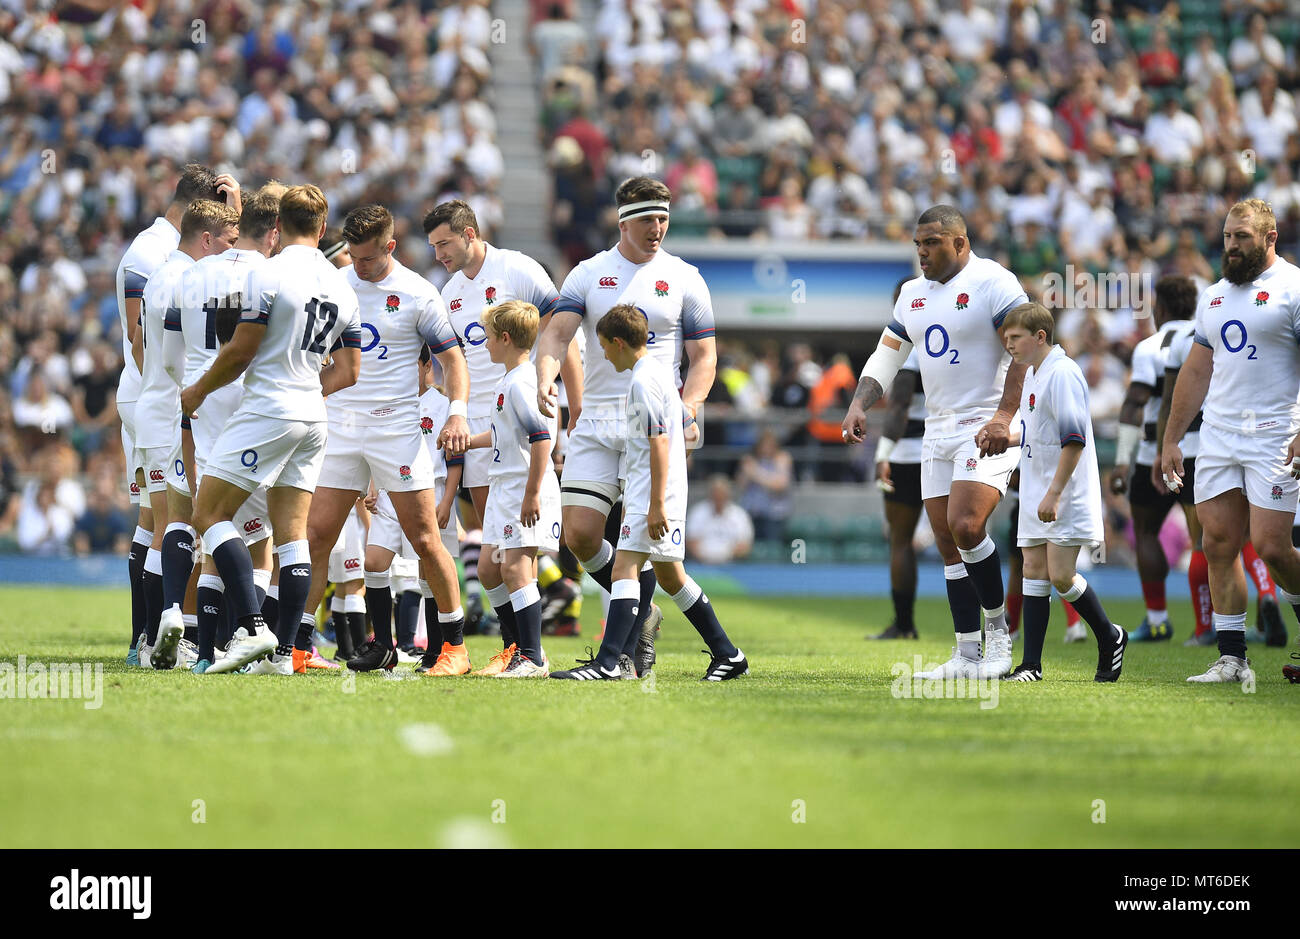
[[608, 282], [943, 349], [248, 459], [1241, 344], [677, 536], [469, 334], [374, 341], [180, 468], [650, 335]]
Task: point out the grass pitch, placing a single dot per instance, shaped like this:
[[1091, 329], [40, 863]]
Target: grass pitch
[[812, 749]]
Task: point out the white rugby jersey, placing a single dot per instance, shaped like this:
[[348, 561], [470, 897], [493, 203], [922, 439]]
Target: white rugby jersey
[[308, 309], [516, 425], [399, 316], [505, 275], [654, 409], [158, 409], [212, 283], [434, 406], [669, 292], [1253, 331], [1054, 412], [908, 447], [147, 253], [954, 327]]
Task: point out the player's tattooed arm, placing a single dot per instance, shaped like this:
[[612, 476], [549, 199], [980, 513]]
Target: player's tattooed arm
[[854, 428], [995, 436]]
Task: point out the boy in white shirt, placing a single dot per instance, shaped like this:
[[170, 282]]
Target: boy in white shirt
[[655, 506], [1060, 492], [522, 513]]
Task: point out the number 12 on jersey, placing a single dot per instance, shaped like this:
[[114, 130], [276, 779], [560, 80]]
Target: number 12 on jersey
[[329, 313]]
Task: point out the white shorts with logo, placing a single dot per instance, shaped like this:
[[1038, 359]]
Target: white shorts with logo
[[164, 467], [126, 411], [634, 535], [254, 450], [348, 555], [478, 462], [592, 462], [501, 524], [945, 460], [207, 424], [386, 531], [1255, 463], [252, 521], [392, 454]]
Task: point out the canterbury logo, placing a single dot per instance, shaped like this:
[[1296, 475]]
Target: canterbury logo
[[252, 525], [351, 564], [299, 572], [156, 475], [454, 305], [135, 489], [609, 281], [918, 304], [1216, 301], [210, 610], [185, 545]]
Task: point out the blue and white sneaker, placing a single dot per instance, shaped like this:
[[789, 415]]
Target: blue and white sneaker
[[1147, 632], [722, 668], [201, 666]]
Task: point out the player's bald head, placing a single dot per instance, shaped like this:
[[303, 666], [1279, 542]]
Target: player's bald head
[[949, 220]]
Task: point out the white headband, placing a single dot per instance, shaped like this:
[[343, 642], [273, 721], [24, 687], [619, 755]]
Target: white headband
[[638, 209]]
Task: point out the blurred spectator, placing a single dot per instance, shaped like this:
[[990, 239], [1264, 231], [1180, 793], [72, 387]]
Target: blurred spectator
[[104, 526], [40, 414], [48, 510], [94, 399], [827, 402], [764, 479], [1257, 48], [718, 530]]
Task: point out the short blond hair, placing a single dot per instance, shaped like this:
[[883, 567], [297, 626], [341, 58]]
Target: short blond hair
[[1031, 317], [1259, 210], [517, 319], [303, 210], [207, 215]]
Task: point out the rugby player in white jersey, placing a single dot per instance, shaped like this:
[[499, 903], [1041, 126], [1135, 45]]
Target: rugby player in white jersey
[[675, 301], [483, 275], [1247, 326], [298, 308], [375, 433], [147, 252], [211, 295], [207, 228], [953, 313]]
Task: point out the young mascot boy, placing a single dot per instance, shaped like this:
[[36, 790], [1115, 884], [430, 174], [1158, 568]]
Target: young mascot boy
[[655, 501], [1060, 492], [523, 504]]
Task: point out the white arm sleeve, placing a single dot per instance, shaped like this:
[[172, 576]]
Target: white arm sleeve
[[885, 362]]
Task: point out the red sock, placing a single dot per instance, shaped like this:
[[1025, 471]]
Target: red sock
[[1071, 614], [1198, 578], [1258, 572], [1014, 600], [1154, 593]]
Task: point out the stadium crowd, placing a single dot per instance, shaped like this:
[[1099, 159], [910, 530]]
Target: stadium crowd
[[1110, 137]]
